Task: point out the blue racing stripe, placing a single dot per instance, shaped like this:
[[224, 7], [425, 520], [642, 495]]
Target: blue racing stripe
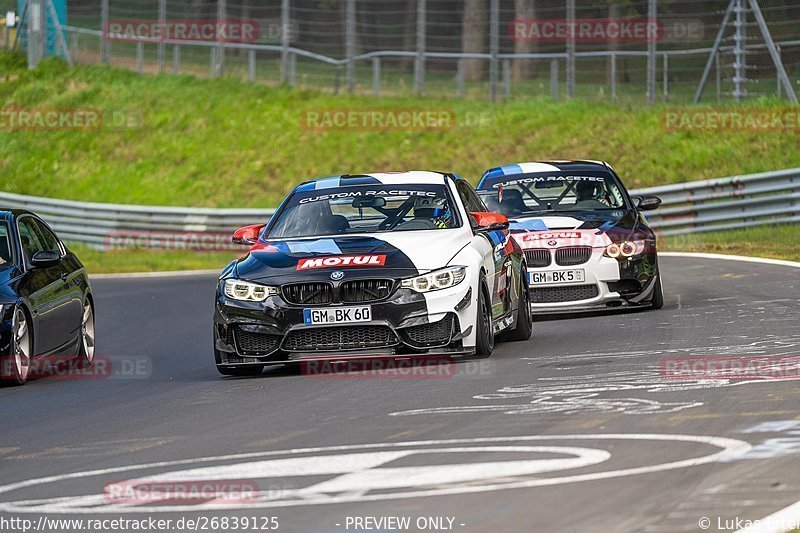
[[531, 224]]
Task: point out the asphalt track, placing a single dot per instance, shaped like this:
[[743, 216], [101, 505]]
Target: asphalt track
[[578, 429]]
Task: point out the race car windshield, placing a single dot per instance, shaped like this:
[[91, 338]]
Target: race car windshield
[[6, 259], [364, 209], [552, 191]]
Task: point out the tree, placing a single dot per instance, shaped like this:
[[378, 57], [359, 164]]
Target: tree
[[524, 68], [474, 37]]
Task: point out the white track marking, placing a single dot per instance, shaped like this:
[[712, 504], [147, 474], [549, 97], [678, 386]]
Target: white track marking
[[784, 520], [762, 260], [728, 448]]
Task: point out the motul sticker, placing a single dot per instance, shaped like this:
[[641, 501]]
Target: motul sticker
[[341, 261], [558, 235]]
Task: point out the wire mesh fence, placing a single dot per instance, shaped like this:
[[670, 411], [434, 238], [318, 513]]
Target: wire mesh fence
[[625, 51]]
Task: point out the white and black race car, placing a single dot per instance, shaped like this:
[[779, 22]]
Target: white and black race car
[[388, 264], [586, 241]]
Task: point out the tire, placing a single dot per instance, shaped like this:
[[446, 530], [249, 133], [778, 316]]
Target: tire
[[523, 326], [658, 294], [86, 347], [15, 367], [484, 332]]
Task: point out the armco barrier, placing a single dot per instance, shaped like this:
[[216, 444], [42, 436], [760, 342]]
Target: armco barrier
[[724, 203], [727, 203]]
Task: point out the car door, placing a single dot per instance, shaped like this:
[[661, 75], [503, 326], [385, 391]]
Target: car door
[[42, 287], [497, 263], [68, 305]]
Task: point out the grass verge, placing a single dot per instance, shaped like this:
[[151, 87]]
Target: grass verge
[[126, 261], [180, 140], [772, 242]]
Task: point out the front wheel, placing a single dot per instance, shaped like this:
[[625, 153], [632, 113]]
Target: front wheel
[[658, 294], [86, 353], [16, 365], [484, 333], [523, 327]]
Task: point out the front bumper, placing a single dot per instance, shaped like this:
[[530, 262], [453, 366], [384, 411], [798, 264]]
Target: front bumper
[[608, 282], [405, 323]]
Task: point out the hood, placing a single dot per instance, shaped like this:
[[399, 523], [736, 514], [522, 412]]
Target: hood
[[598, 228], [385, 255]]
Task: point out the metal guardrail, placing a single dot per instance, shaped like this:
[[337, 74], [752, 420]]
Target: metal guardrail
[[718, 204], [114, 225], [727, 203]]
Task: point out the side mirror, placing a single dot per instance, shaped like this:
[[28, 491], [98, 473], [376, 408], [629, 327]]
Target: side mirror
[[647, 202], [489, 221], [247, 235], [45, 258]]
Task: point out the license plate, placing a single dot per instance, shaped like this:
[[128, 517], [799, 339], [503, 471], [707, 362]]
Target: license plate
[[337, 315], [557, 276]]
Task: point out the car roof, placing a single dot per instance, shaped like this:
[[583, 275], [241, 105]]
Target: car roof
[[555, 165], [7, 213], [414, 177]]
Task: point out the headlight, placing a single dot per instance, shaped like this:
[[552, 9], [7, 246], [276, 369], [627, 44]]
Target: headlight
[[625, 249], [436, 280], [248, 292]]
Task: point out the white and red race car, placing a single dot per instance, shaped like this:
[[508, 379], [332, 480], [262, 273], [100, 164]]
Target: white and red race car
[[587, 243]]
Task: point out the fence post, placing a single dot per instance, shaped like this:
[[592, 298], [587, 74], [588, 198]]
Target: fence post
[[460, 78], [37, 33], [251, 65], [285, 12], [719, 76], [176, 59], [162, 22], [613, 77], [652, 23], [350, 43], [106, 46], [419, 64], [780, 85], [74, 44], [666, 77], [554, 78], [219, 63], [507, 78], [494, 46], [376, 75], [139, 57], [570, 48]]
